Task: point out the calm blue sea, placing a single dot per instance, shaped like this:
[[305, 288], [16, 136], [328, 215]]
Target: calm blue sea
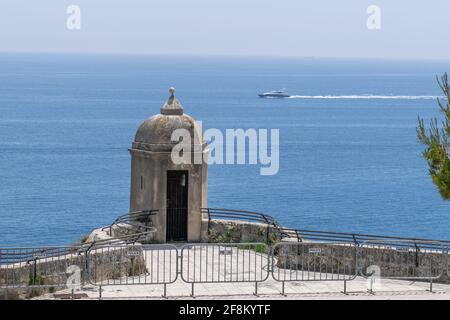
[[349, 157]]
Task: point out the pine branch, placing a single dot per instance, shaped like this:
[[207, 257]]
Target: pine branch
[[436, 141]]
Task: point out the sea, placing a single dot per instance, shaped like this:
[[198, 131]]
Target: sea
[[349, 158]]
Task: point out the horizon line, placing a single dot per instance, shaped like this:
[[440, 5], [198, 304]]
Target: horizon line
[[214, 55]]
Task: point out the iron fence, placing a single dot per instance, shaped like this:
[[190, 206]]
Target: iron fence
[[302, 255], [301, 235], [226, 262], [62, 266], [202, 263], [47, 267], [229, 214], [133, 264], [360, 238], [314, 261], [133, 227], [403, 260]]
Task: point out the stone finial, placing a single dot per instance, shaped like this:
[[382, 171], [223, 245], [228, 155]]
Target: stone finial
[[172, 107]]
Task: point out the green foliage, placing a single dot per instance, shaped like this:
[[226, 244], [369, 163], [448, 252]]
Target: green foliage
[[259, 248], [436, 141], [36, 280], [261, 231], [224, 237], [273, 238], [84, 238]]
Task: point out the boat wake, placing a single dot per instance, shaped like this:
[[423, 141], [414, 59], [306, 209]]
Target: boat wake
[[366, 97]]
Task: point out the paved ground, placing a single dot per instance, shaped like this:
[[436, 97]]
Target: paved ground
[[356, 289], [233, 264]]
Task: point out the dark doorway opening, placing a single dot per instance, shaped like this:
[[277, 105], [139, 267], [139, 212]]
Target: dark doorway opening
[[177, 205]]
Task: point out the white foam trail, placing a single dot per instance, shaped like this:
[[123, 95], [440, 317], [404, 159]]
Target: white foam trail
[[365, 97]]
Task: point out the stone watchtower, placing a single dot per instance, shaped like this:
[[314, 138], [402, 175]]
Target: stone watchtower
[[179, 191]]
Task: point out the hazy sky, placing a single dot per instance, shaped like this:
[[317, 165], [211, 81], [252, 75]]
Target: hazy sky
[[409, 28]]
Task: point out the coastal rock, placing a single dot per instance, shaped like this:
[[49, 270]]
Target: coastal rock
[[99, 234]]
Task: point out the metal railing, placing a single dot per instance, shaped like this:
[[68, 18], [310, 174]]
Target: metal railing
[[314, 261], [46, 267], [225, 262], [308, 261], [250, 216], [359, 238], [143, 217], [133, 265], [314, 235], [313, 256], [164, 264], [134, 226], [229, 214], [403, 260]]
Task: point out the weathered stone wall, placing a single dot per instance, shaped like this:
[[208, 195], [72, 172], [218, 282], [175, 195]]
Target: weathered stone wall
[[42, 275], [51, 272], [115, 263], [347, 259], [316, 257], [238, 231], [335, 258], [406, 263]]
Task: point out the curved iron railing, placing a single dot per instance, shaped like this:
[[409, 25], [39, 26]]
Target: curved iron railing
[[230, 214], [135, 221], [360, 239], [251, 216], [141, 216], [314, 235], [139, 222], [29, 255]]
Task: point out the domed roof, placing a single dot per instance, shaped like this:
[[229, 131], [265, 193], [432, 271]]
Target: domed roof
[[155, 133]]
